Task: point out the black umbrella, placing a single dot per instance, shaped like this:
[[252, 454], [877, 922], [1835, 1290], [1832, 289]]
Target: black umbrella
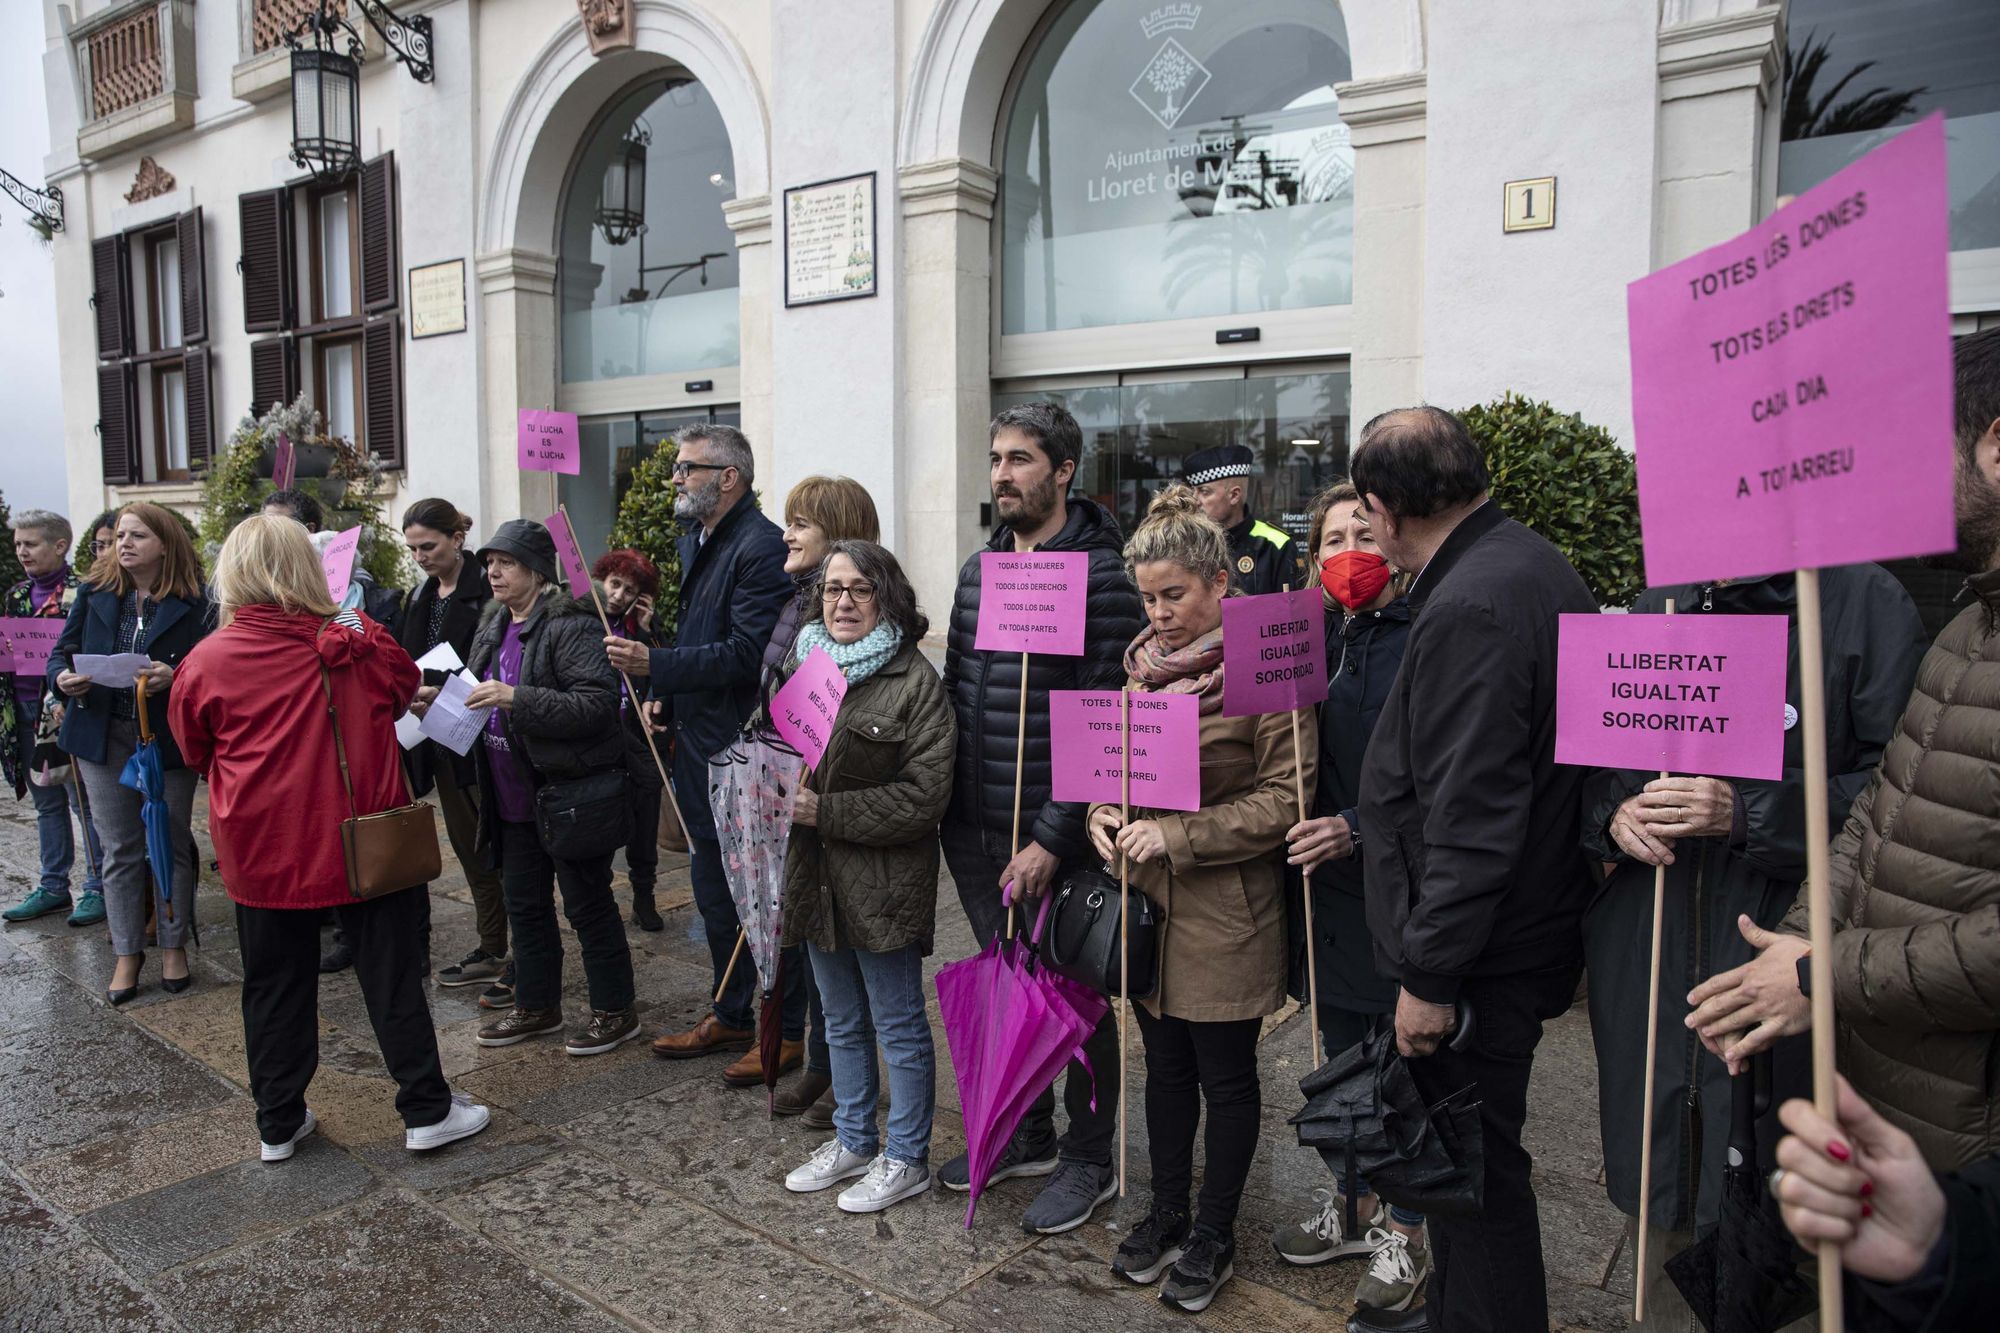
[[1744, 1275], [1365, 1117]]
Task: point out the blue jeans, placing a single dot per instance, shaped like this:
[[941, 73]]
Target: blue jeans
[[852, 984], [738, 1006], [1341, 1030], [52, 808]]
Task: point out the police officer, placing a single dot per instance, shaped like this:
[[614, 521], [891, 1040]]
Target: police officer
[[1262, 558]]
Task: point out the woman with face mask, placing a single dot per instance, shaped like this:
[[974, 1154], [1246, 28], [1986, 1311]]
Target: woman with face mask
[[1368, 623]]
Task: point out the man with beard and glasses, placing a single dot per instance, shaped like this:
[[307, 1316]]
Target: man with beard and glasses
[[1915, 872], [1032, 456], [733, 585]]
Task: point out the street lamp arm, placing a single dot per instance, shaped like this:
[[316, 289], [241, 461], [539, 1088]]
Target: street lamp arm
[[409, 40], [46, 206]]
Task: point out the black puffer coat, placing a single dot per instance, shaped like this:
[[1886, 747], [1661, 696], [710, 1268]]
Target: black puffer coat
[[1873, 640], [985, 688], [469, 598], [565, 715]]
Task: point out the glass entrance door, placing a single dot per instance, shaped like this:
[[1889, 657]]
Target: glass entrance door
[[1138, 426], [612, 446]]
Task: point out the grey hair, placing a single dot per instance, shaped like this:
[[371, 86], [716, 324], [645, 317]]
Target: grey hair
[[53, 526], [732, 447], [893, 593]]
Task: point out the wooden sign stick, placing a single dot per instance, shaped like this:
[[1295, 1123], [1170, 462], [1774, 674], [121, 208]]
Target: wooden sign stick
[[730, 971], [1124, 943], [1020, 743], [1306, 891], [1646, 1105]]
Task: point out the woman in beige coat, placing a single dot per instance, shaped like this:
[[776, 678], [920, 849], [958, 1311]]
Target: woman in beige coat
[[1217, 876]]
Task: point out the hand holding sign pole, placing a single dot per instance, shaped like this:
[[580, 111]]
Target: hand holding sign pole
[[1792, 408], [1652, 1052]]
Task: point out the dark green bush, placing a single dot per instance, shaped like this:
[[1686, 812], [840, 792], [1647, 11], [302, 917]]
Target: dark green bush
[[1569, 481], [646, 524]]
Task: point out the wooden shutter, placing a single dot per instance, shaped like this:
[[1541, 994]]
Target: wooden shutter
[[274, 374], [194, 276], [379, 259], [382, 390], [200, 406], [111, 294], [269, 283], [118, 423]]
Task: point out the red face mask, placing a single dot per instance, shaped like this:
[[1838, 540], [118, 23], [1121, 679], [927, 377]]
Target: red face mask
[[1354, 578]]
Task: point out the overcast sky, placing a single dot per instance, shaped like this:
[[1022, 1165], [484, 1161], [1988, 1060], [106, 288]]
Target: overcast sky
[[31, 448]]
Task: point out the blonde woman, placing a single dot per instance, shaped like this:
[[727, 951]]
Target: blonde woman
[[276, 802], [1217, 874]]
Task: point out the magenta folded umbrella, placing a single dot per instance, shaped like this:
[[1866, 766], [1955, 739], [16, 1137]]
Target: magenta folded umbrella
[[1011, 1028]]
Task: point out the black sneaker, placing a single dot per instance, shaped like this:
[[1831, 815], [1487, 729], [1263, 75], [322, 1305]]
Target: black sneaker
[[475, 967], [604, 1032], [1017, 1160], [519, 1025], [645, 914], [1203, 1267], [500, 995], [1067, 1201], [1153, 1246], [337, 959]]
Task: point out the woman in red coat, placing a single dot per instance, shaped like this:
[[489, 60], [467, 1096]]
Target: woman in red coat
[[250, 713]]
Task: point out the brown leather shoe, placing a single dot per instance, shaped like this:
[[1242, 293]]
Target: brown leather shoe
[[748, 1071], [708, 1037], [794, 1098]]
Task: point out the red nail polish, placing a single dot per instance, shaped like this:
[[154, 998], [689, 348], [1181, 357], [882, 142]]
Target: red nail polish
[[1868, 1210], [1837, 1150], [1867, 1188]]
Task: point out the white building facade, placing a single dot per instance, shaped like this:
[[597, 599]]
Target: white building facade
[[855, 227]]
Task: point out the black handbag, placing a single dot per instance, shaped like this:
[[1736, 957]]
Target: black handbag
[[584, 817], [1082, 939]]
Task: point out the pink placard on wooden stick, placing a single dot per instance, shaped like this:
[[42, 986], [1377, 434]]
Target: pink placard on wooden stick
[[27, 641], [1273, 652], [1792, 388], [1696, 695], [1032, 602], [284, 463], [548, 442], [338, 562], [803, 709], [575, 572], [1087, 747]]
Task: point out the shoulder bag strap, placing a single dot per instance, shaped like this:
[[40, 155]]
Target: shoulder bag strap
[[339, 746]]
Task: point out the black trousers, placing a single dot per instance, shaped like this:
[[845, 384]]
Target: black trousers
[[738, 1008], [280, 949], [976, 859], [1489, 1273], [642, 854], [1189, 1064], [529, 877]]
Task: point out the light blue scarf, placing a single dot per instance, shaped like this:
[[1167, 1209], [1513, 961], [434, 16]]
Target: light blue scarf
[[858, 660]]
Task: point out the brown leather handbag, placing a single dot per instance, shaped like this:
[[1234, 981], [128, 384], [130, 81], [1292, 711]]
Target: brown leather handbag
[[396, 849]]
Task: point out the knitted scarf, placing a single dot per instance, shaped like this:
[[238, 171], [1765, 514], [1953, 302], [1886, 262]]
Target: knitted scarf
[[1195, 669], [858, 660]]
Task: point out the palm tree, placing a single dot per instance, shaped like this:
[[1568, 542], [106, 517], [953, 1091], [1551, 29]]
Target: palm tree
[[1808, 116]]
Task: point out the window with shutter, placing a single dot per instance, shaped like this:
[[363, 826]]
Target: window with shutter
[[379, 285], [264, 220], [200, 406], [382, 390], [117, 423], [194, 276], [111, 295], [274, 374]]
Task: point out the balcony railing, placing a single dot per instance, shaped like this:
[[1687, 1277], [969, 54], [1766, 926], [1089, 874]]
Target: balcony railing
[[125, 64], [271, 20], [136, 62]]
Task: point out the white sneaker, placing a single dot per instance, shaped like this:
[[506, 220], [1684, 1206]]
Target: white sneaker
[[888, 1182], [1396, 1273], [278, 1152], [463, 1121], [828, 1166]]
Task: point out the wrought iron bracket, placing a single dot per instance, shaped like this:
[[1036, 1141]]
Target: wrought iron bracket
[[408, 39], [45, 206]]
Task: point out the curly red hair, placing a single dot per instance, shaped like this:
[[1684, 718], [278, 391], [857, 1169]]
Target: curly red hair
[[630, 565]]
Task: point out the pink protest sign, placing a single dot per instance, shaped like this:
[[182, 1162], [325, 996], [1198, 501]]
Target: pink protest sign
[[338, 562], [575, 572], [1032, 602], [284, 464], [548, 442], [1698, 695], [1273, 652], [1792, 388], [804, 707], [26, 641], [1087, 748]]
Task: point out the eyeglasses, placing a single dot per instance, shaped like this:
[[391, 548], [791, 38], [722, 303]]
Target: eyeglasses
[[682, 469], [862, 593]]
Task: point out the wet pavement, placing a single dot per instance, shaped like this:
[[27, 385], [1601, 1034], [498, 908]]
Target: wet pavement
[[618, 1192]]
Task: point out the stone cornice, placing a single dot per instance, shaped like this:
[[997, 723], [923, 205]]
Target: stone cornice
[[1386, 110], [1721, 54], [749, 220], [516, 270], [951, 185]]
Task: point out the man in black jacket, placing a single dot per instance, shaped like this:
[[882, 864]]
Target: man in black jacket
[[733, 585], [1032, 454], [1475, 881]]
